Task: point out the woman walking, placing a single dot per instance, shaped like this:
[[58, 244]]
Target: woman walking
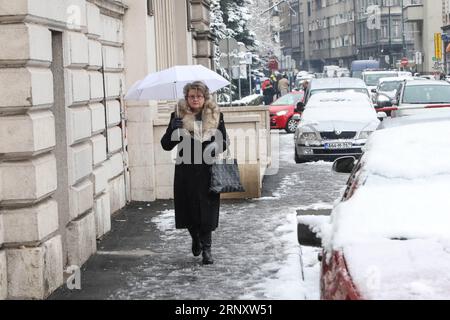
[[198, 129]]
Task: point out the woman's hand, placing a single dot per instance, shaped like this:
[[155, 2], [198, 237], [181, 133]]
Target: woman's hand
[[176, 123]]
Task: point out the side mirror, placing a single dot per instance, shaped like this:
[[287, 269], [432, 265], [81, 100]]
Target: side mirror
[[374, 90], [384, 101], [344, 165], [381, 116], [309, 222], [300, 106]]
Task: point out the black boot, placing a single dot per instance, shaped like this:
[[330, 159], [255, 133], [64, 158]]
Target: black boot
[[205, 238], [196, 244]]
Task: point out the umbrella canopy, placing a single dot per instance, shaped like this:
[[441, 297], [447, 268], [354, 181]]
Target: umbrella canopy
[[168, 84]]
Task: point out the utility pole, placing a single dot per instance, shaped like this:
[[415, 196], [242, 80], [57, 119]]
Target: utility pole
[[355, 24], [403, 31], [329, 36], [390, 38], [229, 69]]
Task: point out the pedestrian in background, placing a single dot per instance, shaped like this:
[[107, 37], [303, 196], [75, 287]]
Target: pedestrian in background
[[283, 85], [199, 125], [275, 79], [268, 91]]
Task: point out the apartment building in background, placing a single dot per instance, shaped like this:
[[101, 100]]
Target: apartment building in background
[[338, 32]]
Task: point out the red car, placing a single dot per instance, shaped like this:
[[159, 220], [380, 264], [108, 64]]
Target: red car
[[282, 110], [389, 236]]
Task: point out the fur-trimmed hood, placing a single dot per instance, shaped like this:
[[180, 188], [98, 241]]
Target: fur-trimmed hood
[[207, 127]]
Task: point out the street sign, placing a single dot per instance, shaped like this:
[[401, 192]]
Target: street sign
[[248, 58], [445, 37], [273, 64], [438, 46], [419, 58], [288, 62], [404, 62]]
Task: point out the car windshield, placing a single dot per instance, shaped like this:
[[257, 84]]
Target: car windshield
[[426, 94], [372, 79], [288, 99], [389, 85], [359, 90]]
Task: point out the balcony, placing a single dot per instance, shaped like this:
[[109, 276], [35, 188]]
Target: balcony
[[413, 12]]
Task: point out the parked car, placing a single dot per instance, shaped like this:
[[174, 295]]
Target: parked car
[[283, 109], [333, 125], [335, 85], [387, 87], [371, 78], [389, 236], [415, 96]]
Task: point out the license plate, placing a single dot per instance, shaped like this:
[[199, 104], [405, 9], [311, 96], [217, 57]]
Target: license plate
[[338, 145]]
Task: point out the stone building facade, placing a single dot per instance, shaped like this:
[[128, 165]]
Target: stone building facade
[[72, 152]]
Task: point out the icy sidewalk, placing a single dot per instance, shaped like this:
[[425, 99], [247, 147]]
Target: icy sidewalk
[[255, 247]]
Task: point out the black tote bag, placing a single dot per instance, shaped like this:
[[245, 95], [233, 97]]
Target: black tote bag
[[225, 176]]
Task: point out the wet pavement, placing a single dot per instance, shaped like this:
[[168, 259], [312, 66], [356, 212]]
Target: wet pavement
[[255, 248]]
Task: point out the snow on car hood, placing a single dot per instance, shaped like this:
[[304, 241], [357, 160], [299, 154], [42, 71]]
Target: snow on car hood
[[400, 270], [343, 118]]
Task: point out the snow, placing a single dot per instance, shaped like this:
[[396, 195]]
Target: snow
[[395, 229], [355, 107], [247, 99], [256, 251], [413, 145], [405, 270]]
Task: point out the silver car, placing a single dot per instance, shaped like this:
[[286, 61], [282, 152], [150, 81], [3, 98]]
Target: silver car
[[335, 85], [334, 125]]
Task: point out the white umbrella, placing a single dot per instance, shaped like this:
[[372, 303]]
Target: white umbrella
[[133, 93], [168, 84]]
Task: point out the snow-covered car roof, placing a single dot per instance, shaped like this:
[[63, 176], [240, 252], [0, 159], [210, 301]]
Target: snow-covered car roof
[[437, 115], [426, 82], [394, 230], [380, 71], [394, 79], [322, 98], [337, 83]]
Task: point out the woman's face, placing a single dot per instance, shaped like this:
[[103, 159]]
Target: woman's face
[[196, 100]]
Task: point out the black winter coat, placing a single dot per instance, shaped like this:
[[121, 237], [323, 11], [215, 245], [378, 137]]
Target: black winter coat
[[195, 206]]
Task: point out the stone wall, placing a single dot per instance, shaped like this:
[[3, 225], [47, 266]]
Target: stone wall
[[61, 153]]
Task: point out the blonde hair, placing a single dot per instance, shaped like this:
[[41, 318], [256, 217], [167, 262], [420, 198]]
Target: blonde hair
[[199, 86]]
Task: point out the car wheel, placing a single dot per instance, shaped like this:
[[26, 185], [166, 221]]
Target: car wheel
[[291, 126]]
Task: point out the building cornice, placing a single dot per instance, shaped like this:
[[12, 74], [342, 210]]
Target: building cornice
[[111, 8]]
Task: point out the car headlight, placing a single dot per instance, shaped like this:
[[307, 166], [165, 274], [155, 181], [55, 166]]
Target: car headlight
[[308, 136], [282, 113], [364, 134]]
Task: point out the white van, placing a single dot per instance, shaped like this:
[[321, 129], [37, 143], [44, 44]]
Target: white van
[[331, 71]]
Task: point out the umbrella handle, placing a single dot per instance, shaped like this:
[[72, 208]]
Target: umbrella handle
[[174, 88]]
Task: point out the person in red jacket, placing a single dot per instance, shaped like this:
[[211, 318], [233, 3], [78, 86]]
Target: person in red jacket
[[268, 91]]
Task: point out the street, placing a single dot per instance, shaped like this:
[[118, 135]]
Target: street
[[255, 248]]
